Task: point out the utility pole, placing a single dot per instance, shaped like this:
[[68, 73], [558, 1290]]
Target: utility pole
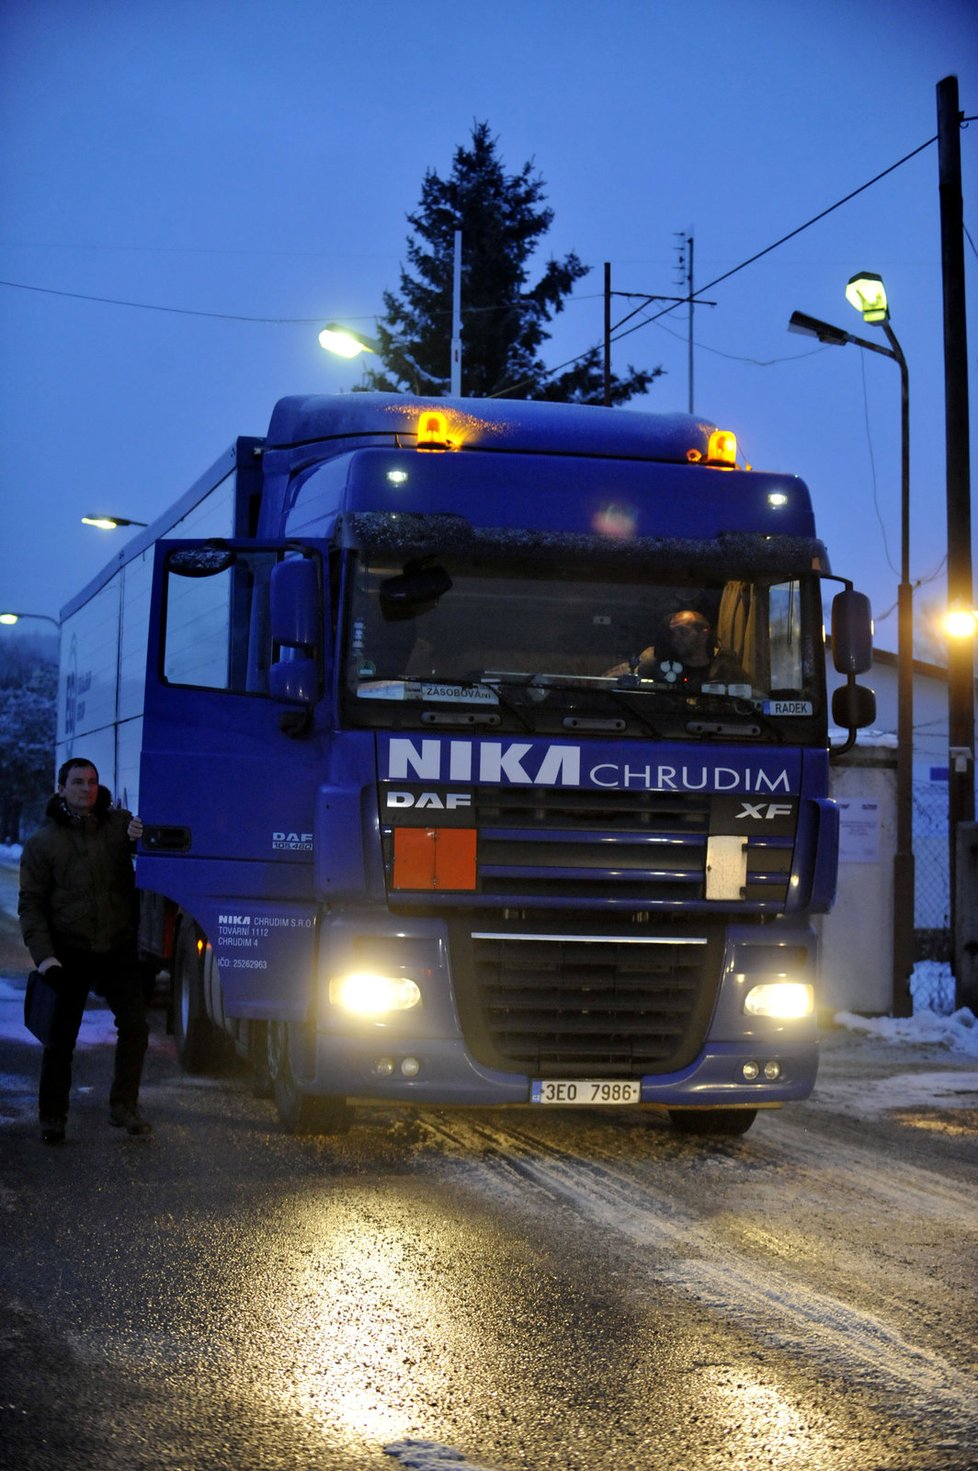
[[961, 652], [456, 373], [607, 333], [685, 267]]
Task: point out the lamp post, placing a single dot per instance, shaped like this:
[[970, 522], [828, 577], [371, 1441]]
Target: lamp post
[[867, 294]]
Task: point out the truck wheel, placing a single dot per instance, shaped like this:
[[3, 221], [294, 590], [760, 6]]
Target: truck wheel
[[728, 1122], [300, 1112], [261, 1078], [197, 1039]]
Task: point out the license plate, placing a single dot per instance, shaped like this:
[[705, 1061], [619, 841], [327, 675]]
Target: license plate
[[584, 1091]]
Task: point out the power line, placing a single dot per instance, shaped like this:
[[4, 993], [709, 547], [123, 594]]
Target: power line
[[758, 255], [180, 311], [309, 321], [792, 233]]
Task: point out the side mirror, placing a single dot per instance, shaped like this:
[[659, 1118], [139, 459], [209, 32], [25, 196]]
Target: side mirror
[[294, 603], [852, 633], [853, 706], [295, 615], [202, 561]]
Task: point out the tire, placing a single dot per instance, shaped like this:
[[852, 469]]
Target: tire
[[198, 1041], [261, 1078], [726, 1122], [300, 1112]]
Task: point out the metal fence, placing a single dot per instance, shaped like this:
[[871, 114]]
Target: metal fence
[[932, 907]]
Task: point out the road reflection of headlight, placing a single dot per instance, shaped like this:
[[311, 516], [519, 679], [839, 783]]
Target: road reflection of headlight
[[784, 1000], [366, 994], [762, 1415], [367, 1331]]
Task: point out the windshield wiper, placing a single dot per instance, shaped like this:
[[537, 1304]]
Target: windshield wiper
[[477, 682]]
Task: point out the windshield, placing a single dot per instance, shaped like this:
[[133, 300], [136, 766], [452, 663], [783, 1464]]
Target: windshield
[[444, 640]]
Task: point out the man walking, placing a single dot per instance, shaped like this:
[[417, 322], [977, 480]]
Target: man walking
[[77, 915]]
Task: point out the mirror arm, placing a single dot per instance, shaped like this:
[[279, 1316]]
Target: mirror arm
[[296, 723]]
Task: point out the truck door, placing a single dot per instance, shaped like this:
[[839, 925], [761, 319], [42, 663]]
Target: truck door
[[235, 730]]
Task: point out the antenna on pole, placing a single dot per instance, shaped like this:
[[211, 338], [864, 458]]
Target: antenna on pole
[[684, 266]]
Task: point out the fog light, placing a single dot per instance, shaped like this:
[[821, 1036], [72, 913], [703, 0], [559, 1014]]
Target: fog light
[[784, 1000], [750, 1071], [366, 994], [410, 1067], [772, 1071], [384, 1066]]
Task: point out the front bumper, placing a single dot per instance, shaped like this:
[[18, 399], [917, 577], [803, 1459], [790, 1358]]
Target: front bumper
[[445, 1074]]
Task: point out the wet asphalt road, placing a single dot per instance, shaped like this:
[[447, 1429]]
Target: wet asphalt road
[[581, 1290], [575, 1291]]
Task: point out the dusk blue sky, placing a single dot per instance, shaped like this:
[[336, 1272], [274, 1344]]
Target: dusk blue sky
[[257, 159]]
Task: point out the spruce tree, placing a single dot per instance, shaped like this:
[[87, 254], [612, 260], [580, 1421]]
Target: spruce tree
[[504, 318]]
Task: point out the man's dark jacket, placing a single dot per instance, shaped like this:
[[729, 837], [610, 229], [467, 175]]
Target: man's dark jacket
[[76, 880]]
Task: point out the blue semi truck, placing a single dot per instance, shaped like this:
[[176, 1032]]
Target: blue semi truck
[[434, 811]]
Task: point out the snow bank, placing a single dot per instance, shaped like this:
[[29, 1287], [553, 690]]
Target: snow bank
[[932, 987], [958, 1032]]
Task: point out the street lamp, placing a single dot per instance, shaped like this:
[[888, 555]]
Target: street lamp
[[9, 619], [348, 344], [961, 622], [867, 294], [110, 523], [345, 342]]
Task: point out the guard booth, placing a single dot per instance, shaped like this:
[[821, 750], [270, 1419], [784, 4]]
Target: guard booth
[[857, 935]]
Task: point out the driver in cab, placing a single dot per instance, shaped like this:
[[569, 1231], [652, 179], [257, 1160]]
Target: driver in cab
[[686, 655]]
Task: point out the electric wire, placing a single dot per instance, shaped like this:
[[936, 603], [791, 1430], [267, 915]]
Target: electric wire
[[181, 311], [309, 321], [726, 275]]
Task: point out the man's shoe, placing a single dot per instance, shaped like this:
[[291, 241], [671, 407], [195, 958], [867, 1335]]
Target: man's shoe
[[130, 1119], [52, 1131]]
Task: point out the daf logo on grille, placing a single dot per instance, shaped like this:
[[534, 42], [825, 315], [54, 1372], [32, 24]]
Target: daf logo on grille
[[439, 801]]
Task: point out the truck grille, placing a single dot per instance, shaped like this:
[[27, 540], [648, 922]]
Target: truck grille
[[616, 849], [566, 1005]]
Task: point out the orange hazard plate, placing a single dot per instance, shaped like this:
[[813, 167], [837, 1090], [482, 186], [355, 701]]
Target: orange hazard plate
[[435, 858]]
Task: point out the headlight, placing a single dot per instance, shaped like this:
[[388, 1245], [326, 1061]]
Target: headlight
[[785, 1000], [365, 994]]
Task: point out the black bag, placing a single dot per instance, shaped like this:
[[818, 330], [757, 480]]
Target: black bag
[[40, 1001]]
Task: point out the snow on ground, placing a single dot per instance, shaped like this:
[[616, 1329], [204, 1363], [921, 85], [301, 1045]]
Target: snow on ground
[[957, 1032], [428, 1455], [97, 1028], [932, 987]]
